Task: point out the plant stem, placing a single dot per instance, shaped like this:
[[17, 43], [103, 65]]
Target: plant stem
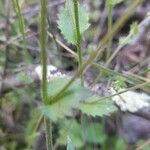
[[48, 127], [124, 91], [43, 50], [78, 35], [47, 121], [22, 29], [78, 44], [110, 10]]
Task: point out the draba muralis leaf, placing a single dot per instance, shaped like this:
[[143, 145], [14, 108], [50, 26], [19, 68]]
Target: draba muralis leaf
[[70, 98], [100, 108], [71, 128], [66, 21]]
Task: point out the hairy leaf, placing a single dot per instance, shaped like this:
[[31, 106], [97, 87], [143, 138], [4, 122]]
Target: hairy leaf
[[97, 108], [72, 129], [93, 132], [70, 98], [66, 22]]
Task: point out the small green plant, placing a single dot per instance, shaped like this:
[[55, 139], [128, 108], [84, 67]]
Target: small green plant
[[62, 95]]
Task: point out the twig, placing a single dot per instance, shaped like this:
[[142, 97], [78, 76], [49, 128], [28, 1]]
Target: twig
[[137, 76], [141, 147], [63, 45], [124, 91]]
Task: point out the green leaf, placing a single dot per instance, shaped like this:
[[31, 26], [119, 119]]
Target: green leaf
[[30, 133], [72, 129], [70, 145], [94, 133], [70, 98], [94, 107], [66, 22]]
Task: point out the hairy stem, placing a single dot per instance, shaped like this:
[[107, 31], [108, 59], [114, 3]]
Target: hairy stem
[[48, 127], [47, 121], [78, 35]]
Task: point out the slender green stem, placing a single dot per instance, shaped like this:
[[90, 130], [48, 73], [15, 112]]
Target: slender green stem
[[124, 91], [43, 49], [48, 127], [22, 29], [78, 44], [110, 10], [78, 35], [118, 49]]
